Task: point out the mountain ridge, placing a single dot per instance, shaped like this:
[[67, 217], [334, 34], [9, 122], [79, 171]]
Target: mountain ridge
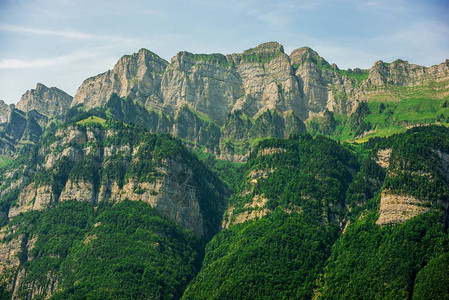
[[302, 86]]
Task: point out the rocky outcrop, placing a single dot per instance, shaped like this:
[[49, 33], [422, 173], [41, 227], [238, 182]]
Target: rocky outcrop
[[269, 81], [76, 166], [9, 255], [253, 210], [270, 151], [206, 83], [402, 73], [20, 129], [50, 102], [383, 157], [236, 90], [78, 191], [323, 86], [396, 209], [32, 197], [136, 76], [13, 256], [5, 112], [175, 195]]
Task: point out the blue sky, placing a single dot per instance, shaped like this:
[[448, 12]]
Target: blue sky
[[62, 42]]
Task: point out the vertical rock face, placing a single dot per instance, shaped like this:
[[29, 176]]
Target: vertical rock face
[[323, 85], [395, 209], [206, 83], [5, 112], [305, 60], [84, 164], [216, 88], [25, 128], [261, 78], [51, 102], [402, 73], [269, 82], [137, 76]]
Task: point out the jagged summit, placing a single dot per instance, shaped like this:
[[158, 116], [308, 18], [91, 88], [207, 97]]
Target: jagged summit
[[144, 55], [306, 54], [260, 79], [137, 76], [5, 111], [270, 48], [51, 102], [241, 97]]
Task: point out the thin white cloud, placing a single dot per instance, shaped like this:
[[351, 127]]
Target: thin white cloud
[[12, 63], [421, 33], [65, 34], [275, 15], [427, 39]]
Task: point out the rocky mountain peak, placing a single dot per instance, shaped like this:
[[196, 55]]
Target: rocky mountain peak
[[184, 58], [137, 76], [40, 86], [51, 102], [180, 56], [263, 52], [143, 56], [399, 62], [306, 54], [269, 47], [5, 111], [401, 72]]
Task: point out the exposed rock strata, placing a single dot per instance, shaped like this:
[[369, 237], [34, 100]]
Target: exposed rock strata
[[396, 209], [51, 102], [228, 95], [5, 112], [136, 76], [175, 189], [383, 157]]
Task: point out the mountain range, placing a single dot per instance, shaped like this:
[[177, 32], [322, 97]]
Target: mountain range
[[224, 103], [244, 176]]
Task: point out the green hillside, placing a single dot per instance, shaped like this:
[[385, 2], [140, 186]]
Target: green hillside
[[387, 111], [123, 251], [301, 217], [295, 247]]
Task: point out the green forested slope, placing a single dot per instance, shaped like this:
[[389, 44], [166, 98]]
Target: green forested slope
[[300, 224], [319, 238], [282, 254], [114, 252]]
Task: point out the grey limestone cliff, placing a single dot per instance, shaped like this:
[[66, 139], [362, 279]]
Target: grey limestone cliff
[[136, 76], [50, 102], [5, 112], [215, 88], [178, 187]]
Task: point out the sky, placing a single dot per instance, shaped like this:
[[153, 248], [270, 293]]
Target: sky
[[62, 42]]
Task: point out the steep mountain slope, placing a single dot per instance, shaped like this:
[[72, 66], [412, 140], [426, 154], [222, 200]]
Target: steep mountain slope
[[237, 89], [22, 125], [50, 102], [385, 252], [309, 221], [280, 224], [101, 198], [47, 204], [97, 162], [20, 130], [308, 217], [73, 251], [137, 76], [5, 111], [197, 130]]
